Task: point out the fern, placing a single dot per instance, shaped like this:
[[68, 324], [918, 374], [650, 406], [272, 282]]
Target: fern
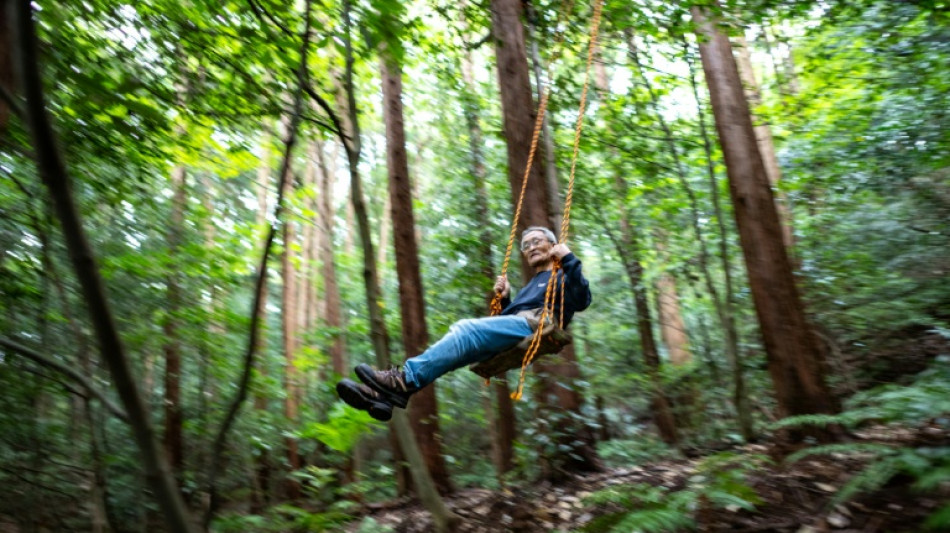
[[850, 448], [655, 521], [720, 481]]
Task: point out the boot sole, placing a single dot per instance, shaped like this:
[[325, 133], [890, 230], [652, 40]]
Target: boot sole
[[351, 395], [365, 373]]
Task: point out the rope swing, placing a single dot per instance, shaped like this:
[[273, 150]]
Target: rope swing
[[550, 294]]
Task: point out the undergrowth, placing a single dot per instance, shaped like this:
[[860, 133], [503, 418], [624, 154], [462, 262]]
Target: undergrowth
[[925, 401], [720, 482]]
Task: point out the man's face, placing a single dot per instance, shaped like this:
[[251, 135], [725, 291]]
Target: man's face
[[536, 248]]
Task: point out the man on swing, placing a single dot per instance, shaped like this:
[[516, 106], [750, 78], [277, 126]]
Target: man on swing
[[472, 340]]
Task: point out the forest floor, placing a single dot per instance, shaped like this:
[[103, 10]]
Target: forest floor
[[794, 497]]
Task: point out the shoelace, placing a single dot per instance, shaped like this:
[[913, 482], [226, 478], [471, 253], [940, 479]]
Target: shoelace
[[393, 378]]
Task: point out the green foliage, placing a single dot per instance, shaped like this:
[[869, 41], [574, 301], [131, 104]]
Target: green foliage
[[720, 482], [925, 400], [343, 428], [282, 518], [643, 448]]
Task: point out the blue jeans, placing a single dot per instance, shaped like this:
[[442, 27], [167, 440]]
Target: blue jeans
[[467, 342]]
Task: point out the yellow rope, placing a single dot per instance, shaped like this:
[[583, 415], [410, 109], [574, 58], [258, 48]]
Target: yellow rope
[[549, 293]]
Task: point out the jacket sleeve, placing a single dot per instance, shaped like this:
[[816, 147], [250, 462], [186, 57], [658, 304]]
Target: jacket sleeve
[[578, 289]]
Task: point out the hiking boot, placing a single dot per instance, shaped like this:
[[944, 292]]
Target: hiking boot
[[364, 398], [391, 384]]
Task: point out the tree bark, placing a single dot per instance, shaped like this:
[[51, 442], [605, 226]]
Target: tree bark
[[289, 328], [415, 336], [332, 312], [725, 307], [765, 142], [443, 518], [172, 404], [547, 138], [52, 168], [795, 361], [502, 425], [519, 116]]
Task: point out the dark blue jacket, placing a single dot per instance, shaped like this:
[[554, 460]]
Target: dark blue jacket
[[531, 296]]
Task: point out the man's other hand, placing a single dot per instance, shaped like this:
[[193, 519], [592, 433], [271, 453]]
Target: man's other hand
[[502, 286], [560, 250]]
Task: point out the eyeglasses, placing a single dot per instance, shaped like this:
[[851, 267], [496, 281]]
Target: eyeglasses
[[533, 243]]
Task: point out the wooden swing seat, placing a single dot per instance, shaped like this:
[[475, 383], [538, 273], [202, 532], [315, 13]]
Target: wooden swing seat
[[510, 359]]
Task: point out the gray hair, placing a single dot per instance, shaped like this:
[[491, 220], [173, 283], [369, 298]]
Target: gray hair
[[547, 233]]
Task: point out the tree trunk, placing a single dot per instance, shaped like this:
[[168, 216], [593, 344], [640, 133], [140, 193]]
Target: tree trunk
[[763, 138], [795, 361], [289, 326], [332, 312], [53, 171], [415, 336], [672, 326], [260, 497], [547, 140], [502, 425], [519, 116], [172, 404], [725, 307], [443, 518], [629, 251]]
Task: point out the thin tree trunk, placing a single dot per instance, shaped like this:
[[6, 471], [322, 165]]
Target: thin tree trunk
[[172, 404], [55, 176], [289, 326], [260, 496], [443, 518], [260, 280], [415, 335], [795, 361], [502, 425], [629, 251], [332, 307], [628, 248]]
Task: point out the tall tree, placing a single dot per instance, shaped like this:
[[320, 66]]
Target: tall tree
[[629, 250], [443, 518], [726, 305], [502, 427], [332, 312], [795, 358], [415, 336], [174, 448], [576, 451], [53, 170], [763, 137], [289, 317]]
